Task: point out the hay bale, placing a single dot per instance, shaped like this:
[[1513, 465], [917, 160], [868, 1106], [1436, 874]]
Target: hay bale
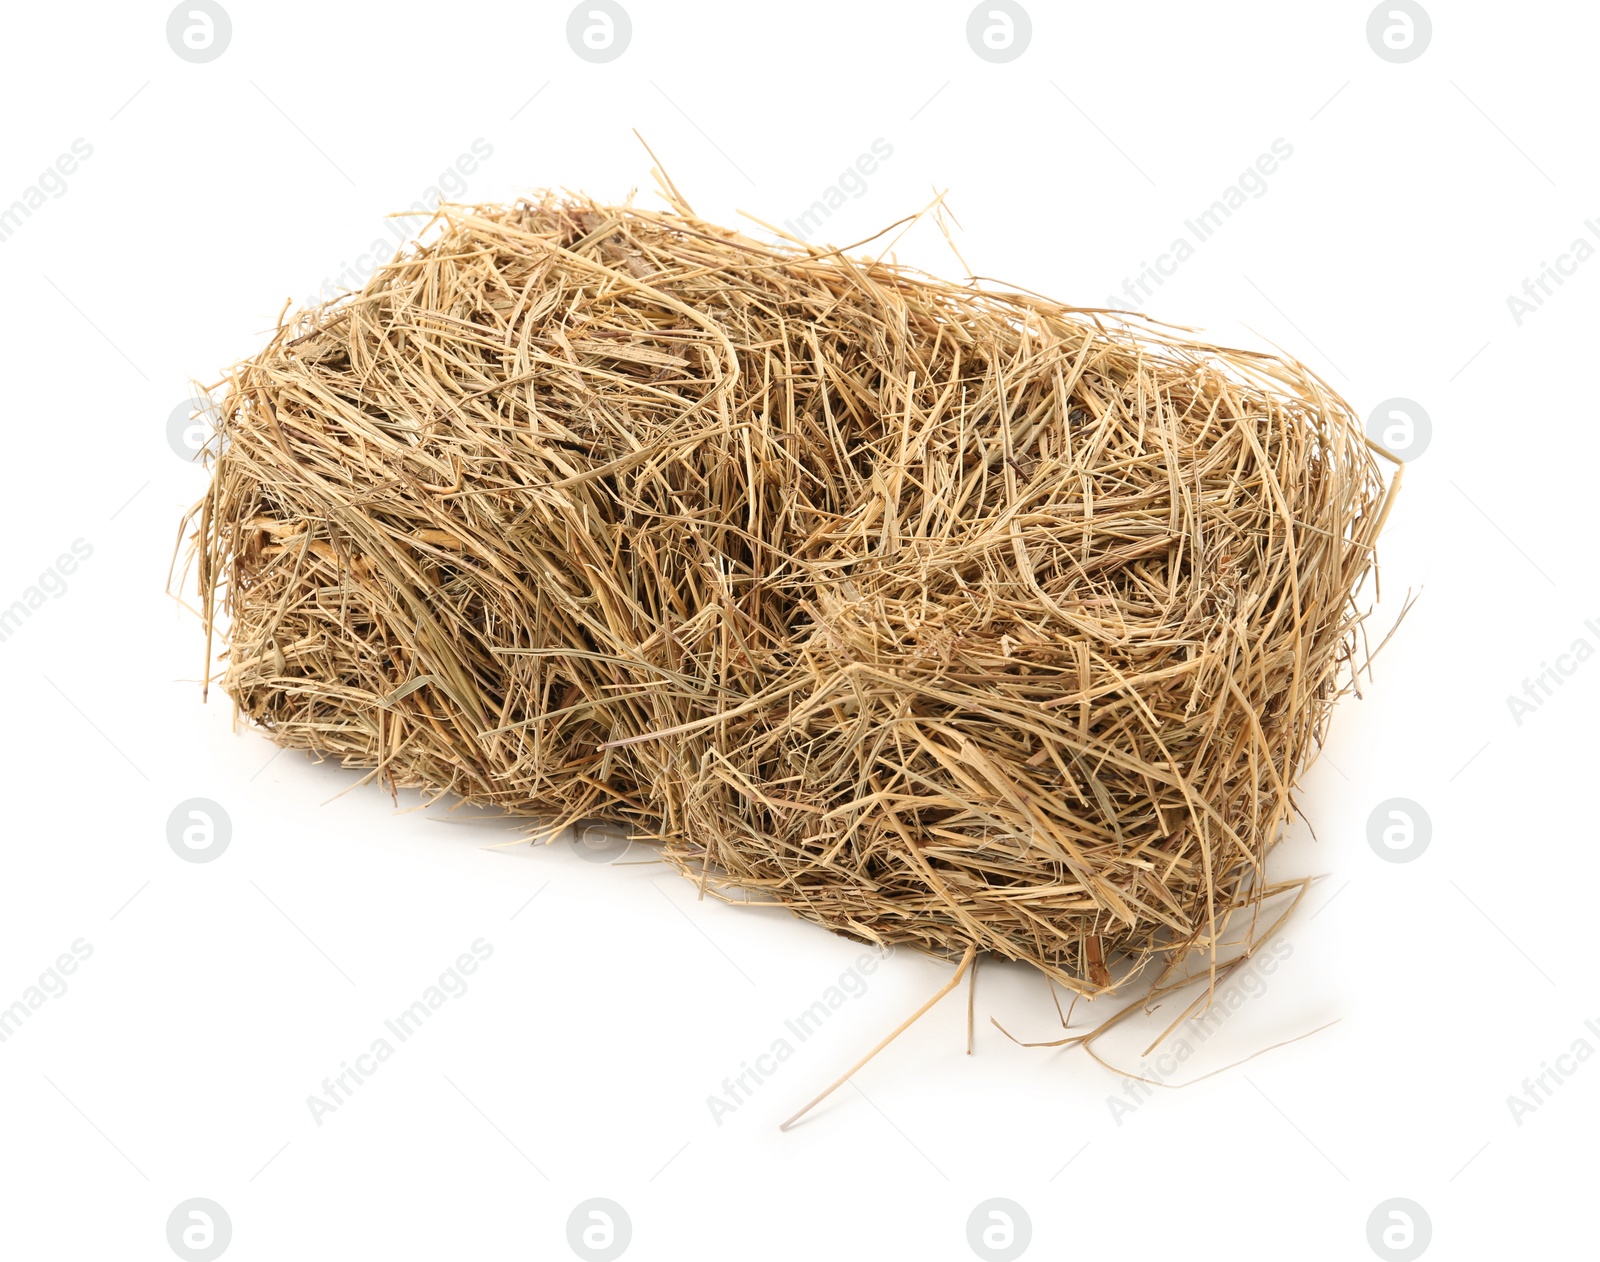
[[959, 620]]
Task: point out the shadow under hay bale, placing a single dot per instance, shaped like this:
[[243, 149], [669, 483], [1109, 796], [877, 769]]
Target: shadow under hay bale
[[944, 618]]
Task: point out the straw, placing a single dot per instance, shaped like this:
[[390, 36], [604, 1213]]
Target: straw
[[942, 616]]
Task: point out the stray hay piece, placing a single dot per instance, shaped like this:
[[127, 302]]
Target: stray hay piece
[[946, 618]]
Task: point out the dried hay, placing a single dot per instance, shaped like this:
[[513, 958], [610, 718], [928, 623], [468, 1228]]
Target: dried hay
[[948, 618]]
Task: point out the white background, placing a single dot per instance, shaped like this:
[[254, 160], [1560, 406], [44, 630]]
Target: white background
[[219, 995]]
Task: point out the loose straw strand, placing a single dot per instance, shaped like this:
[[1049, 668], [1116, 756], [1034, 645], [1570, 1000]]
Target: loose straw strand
[[900, 1029]]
